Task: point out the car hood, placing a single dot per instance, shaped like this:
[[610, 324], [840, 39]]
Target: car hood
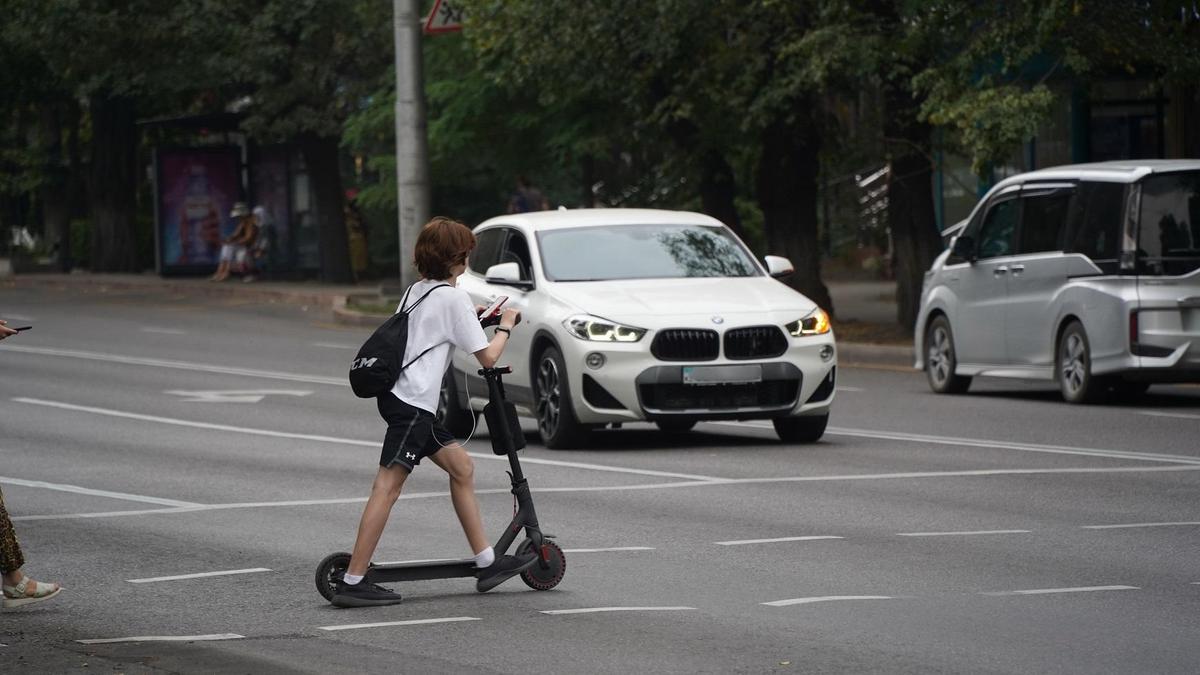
[[635, 298]]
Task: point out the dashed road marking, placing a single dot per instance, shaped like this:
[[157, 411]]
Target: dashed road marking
[[1125, 525], [1050, 591], [1155, 413], [952, 534], [5, 480], [742, 542], [410, 622], [198, 575], [163, 331], [824, 598], [164, 638], [333, 345], [592, 610], [607, 550]]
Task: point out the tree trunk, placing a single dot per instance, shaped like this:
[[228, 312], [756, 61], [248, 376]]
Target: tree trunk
[[55, 192], [113, 185], [910, 214], [718, 190], [325, 181], [787, 194]]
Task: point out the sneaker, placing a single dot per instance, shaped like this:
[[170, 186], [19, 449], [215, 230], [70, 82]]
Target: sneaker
[[502, 570], [362, 594]]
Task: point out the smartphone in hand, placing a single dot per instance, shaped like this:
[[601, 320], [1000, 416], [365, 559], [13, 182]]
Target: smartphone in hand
[[491, 314]]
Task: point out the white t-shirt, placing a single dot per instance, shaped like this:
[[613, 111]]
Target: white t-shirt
[[445, 320]]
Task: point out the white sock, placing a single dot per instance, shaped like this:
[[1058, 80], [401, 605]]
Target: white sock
[[485, 558], [351, 579]]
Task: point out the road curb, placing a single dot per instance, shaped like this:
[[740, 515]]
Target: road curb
[[236, 289], [866, 354]]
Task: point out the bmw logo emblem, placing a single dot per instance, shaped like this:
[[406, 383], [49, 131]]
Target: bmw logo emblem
[[718, 320]]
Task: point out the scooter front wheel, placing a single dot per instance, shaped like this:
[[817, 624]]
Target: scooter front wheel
[[548, 571], [330, 571]]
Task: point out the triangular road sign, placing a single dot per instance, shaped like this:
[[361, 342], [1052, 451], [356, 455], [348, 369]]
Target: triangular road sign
[[445, 17]]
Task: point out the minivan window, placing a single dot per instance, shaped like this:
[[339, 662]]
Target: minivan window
[[1043, 216], [487, 250], [996, 236], [1169, 224], [1094, 226]]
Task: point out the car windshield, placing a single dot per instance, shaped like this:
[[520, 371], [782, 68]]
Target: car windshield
[[1169, 225], [643, 252]]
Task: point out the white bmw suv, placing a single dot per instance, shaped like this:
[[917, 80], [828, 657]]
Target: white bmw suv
[[637, 314]]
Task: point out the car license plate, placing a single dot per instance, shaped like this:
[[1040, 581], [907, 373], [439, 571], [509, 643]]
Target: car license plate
[[722, 374]]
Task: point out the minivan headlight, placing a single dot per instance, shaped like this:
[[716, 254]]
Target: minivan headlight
[[596, 329], [815, 322]]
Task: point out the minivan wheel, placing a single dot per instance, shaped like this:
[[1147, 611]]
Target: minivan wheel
[[807, 429], [1073, 366], [458, 421], [940, 359], [552, 398]]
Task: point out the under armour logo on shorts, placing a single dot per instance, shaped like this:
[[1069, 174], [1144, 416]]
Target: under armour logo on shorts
[[410, 455]]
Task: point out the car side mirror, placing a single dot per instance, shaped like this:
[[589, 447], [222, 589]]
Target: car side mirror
[[779, 267], [963, 247], [508, 274]]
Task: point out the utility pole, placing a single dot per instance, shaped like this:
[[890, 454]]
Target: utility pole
[[412, 148]]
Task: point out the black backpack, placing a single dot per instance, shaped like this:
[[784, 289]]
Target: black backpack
[[381, 358]]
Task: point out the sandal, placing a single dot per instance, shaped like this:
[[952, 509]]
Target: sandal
[[28, 591]]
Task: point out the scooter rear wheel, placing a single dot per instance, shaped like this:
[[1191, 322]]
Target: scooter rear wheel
[[543, 578], [330, 571]]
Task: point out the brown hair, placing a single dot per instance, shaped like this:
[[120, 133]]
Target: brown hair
[[443, 243]]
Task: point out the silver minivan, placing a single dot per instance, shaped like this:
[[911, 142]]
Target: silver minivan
[[1088, 275]]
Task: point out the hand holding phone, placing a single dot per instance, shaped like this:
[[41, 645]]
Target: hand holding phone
[[490, 315]]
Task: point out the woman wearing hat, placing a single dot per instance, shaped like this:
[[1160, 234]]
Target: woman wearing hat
[[237, 245]]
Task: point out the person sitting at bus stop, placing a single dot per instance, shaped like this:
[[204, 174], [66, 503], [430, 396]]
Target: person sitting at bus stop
[[236, 249]]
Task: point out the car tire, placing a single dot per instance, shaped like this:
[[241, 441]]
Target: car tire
[[806, 429], [458, 421], [553, 409], [675, 426], [1073, 367], [941, 360]]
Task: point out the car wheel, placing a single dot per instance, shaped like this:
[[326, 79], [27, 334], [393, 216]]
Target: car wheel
[[552, 397], [1073, 367], [941, 360], [675, 426], [807, 429], [457, 420]]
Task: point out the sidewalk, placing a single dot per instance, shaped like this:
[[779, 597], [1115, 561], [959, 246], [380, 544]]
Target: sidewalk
[[859, 304]]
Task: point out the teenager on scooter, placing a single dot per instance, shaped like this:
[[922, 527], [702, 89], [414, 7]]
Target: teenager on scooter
[[446, 319]]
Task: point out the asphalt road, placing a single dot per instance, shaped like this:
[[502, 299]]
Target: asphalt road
[[1000, 531]]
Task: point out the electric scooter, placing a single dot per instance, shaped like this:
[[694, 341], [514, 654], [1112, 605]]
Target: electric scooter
[[507, 439]]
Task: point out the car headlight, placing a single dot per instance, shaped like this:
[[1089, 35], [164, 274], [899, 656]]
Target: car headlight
[[815, 323], [596, 329]]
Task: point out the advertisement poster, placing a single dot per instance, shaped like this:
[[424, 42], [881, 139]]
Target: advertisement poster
[[197, 188]]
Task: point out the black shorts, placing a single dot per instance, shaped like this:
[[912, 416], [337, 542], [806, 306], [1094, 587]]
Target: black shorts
[[412, 433]]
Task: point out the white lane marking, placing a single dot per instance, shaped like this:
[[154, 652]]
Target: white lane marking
[[742, 542], [346, 441], [951, 474], [199, 575], [234, 395], [178, 365], [5, 480], [1077, 589], [1155, 413], [333, 345], [18, 317], [411, 622], [967, 533], [1124, 525], [606, 550], [990, 444], [824, 598], [163, 331], [841, 388], [165, 638], [591, 610]]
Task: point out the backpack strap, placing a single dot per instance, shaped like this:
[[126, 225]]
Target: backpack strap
[[422, 298]]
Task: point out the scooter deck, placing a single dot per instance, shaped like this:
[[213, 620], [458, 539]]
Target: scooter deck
[[422, 571]]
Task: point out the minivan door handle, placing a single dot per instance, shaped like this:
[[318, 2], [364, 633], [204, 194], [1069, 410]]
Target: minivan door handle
[[1017, 269], [1000, 271]]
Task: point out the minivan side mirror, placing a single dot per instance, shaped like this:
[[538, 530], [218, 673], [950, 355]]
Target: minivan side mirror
[[779, 267], [508, 274], [963, 247]]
